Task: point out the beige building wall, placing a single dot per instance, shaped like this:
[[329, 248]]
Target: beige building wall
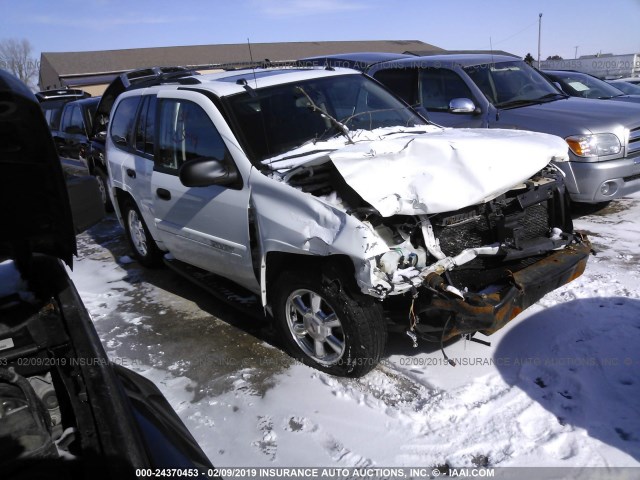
[[95, 90]]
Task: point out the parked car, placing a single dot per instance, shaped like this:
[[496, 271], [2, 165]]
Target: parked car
[[626, 87], [66, 411], [72, 138], [578, 84], [69, 114], [496, 91], [53, 101], [74, 141], [340, 208], [632, 80]]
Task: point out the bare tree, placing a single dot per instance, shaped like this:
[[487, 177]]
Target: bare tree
[[15, 56]]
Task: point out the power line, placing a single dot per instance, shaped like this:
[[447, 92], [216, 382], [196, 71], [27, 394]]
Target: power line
[[517, 33]]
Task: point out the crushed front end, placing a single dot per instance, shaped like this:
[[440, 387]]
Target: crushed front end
[[476, 268]]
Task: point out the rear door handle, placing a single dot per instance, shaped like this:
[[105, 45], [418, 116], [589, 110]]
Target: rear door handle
[[163, 193], [131, 173]]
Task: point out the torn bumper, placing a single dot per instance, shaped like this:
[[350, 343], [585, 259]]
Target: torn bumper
[[488, 313]]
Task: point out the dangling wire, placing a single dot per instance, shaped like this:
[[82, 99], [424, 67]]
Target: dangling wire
[[413, 319], [449, 361]]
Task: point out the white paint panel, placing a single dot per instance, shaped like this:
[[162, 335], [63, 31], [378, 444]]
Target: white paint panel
[[444, 171]]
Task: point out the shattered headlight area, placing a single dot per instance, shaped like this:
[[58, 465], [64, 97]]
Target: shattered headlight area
[[475, 244], [476, 268]]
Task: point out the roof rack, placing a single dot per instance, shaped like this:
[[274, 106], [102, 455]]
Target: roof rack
[[147, 77], [61, 93]]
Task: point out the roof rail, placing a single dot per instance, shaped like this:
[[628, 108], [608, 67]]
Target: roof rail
[[147, 77]]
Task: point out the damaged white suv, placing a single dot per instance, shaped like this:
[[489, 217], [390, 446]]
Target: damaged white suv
[[340, 208]]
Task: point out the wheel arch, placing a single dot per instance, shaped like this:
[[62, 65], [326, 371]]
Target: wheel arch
[[336, 267], [121, 196], [361, 320]]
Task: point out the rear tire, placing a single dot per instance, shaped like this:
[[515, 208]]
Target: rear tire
[[324, 326], [142, 244]]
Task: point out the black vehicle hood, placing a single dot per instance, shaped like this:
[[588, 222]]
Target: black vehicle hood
[[35, 215], [571, 116]]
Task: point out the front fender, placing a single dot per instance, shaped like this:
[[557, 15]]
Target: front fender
[[290, 221]]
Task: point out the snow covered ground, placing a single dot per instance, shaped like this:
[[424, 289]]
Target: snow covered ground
[[559, 386]]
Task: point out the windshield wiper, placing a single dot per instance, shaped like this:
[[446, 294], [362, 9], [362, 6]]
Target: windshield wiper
[[549, 96], [517, 103], [531, 101]]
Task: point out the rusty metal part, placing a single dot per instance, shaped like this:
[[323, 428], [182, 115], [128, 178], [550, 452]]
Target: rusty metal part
[[488, 313]]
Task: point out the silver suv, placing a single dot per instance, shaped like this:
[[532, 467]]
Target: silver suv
[[498, 91], [340, 208]]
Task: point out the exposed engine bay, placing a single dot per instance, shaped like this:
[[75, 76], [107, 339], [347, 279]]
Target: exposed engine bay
[[38, 377]]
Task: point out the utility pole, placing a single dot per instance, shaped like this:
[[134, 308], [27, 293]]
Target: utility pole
[[576, 54], [539, 32]]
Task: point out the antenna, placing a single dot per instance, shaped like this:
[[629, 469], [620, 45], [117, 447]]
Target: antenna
[[493, 63], [491, 48], [253, 66]]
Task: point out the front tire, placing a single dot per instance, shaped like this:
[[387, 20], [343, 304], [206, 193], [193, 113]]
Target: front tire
[[326, 327], [142, 245]]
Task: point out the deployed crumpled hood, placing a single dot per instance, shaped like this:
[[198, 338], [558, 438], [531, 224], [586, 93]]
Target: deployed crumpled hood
[[444, 171]]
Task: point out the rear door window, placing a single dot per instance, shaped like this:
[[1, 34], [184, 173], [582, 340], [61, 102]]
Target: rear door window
[[123, 121], [438, 86], [76, 124], [403, 82], [145, 129]]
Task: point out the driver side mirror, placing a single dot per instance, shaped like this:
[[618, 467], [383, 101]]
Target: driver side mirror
[[203, 172], [462, 105]]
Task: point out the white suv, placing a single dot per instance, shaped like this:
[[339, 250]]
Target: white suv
[[342, 209]]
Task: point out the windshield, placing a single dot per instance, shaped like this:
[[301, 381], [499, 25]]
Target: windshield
[[628, 88], [277, 119], [52, 110], [511, 83], [580, 85]]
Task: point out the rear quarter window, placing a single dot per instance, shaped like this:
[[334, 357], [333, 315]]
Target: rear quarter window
[[402, 82], [123, 121]]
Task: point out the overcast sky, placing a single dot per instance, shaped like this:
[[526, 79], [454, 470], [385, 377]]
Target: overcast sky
[[78, 25]]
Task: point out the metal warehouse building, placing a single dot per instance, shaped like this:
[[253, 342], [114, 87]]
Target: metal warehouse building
[[93, 71]]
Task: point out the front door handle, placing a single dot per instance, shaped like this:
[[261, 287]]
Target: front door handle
[[163, 193]]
